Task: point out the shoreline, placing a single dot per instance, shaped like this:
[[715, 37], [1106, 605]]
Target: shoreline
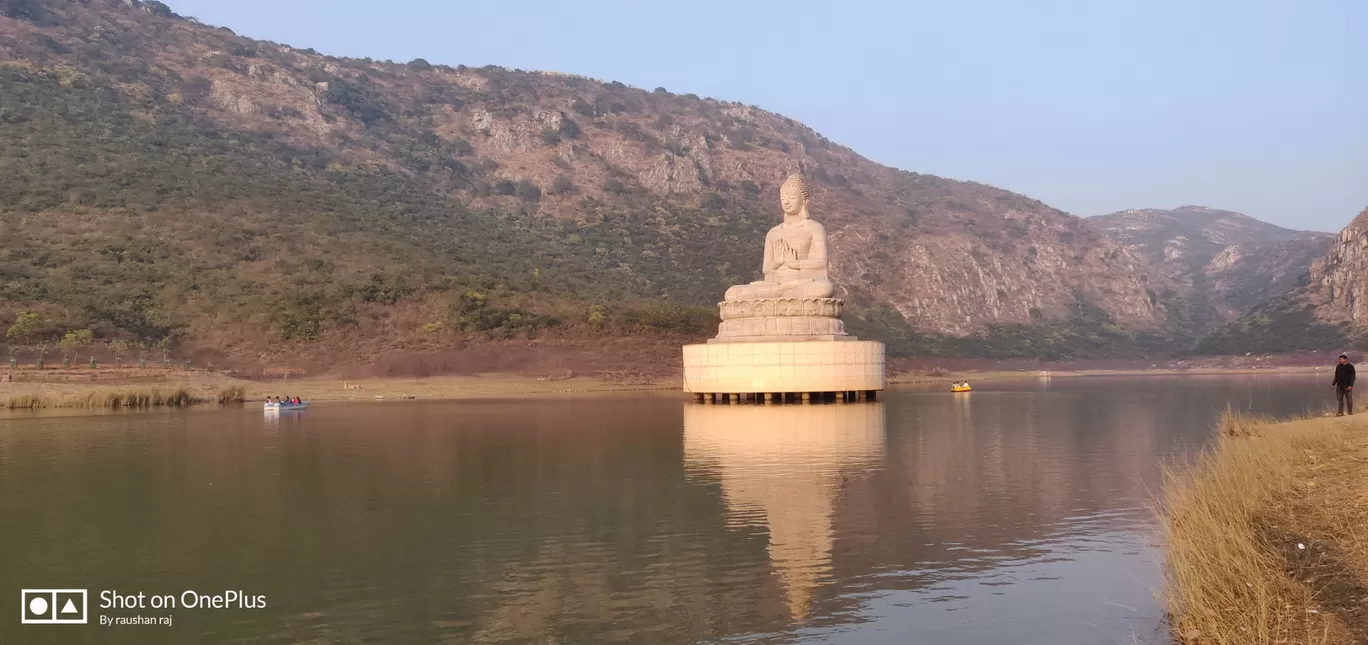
[[1264, 534], [1000, 375], [56, 386], [203, 388]]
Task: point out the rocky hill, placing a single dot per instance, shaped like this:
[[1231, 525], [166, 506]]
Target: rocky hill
[[1327, 309], [169, 178], [1221, 264]]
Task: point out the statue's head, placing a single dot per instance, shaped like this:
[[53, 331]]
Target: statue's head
[[793, 195]]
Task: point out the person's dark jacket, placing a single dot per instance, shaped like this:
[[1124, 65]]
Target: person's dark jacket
[[1344, 375]]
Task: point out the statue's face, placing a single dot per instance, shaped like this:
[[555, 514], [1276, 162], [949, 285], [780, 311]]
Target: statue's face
[[791, 200]]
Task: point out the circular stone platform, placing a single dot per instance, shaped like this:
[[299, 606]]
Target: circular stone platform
[[784, 367]]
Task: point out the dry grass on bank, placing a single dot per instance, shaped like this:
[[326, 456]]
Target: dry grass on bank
[[110, 397], [1266, 535]]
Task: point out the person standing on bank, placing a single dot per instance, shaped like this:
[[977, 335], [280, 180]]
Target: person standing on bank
[[1344, 385]]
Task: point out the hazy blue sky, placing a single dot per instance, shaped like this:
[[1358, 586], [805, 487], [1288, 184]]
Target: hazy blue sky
[[1092, 106]]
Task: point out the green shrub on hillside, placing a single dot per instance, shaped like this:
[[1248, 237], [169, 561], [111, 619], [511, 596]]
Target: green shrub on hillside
[[357, 100], [568, 128], [659, 318], [527, 191], [562, 185], [158, 8], [583, 108], [31, 10], [472, 311]]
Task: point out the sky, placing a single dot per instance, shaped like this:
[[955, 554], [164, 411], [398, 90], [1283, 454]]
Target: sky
[[1091, 106]]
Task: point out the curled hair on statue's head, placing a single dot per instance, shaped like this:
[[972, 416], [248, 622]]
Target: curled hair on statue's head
[[796, 182]]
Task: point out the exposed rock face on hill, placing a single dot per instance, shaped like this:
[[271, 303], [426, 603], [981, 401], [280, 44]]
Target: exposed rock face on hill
[[167, 177], [1326, 310], [1222, 264], [1338, 288]]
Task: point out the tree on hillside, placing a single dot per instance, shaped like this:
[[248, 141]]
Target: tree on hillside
[[73, 342], [41, 349], [157, 8], [27, 331], [119, 348], [26, 327]]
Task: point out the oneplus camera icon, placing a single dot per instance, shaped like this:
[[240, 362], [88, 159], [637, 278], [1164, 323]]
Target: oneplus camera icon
[[54, 607]]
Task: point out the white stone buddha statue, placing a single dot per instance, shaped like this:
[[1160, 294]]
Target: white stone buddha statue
[[795, 264]]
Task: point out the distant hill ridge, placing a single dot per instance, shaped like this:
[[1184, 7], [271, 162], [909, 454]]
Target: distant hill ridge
[[167, 178], [1327, 309], [1221, 263]]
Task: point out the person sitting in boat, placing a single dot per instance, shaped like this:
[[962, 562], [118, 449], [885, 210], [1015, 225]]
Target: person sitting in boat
[[295, 401]]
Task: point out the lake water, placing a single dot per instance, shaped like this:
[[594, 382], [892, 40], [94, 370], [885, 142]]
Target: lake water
[[1018, 513]]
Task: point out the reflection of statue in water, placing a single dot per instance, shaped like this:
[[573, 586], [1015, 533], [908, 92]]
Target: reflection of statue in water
[[785, 466], [795, 264]]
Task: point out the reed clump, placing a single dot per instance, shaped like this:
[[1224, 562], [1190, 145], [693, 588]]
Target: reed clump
[[177, 397], [1237, 423], [1237, 523], [231, 394]]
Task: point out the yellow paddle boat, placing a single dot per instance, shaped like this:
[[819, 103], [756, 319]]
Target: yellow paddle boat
[[960, 387]]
